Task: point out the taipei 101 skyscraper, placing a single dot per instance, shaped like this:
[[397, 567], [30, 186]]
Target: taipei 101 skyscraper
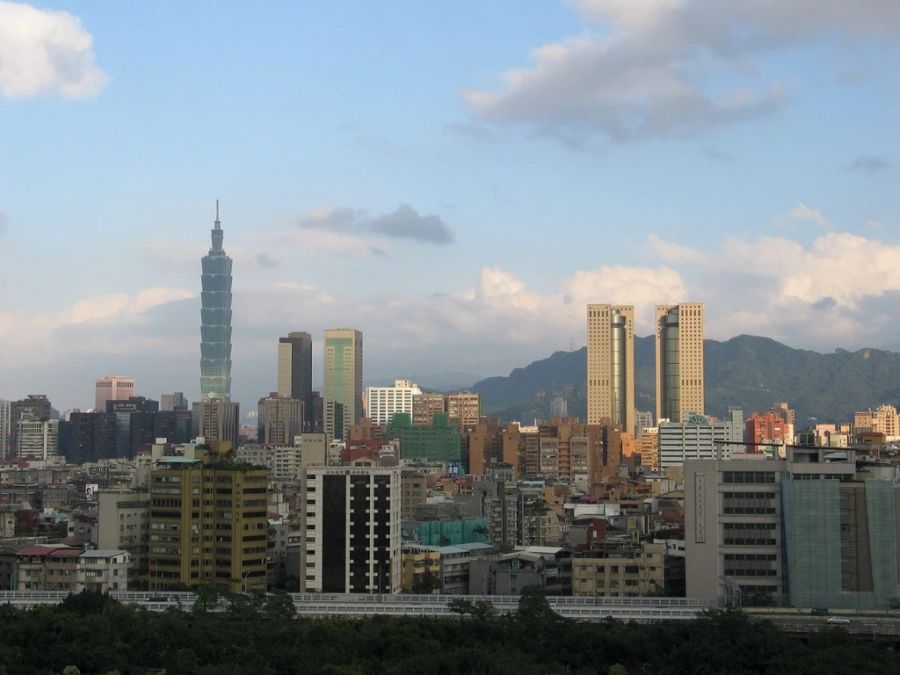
[[215, 319]]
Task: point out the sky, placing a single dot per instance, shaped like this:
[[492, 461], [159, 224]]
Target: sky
[[455, 179]]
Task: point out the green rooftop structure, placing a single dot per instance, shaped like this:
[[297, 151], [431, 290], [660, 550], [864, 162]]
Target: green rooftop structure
[[438, 442]]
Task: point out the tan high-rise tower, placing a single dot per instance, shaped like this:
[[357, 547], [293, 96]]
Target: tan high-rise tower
[[610, 364], [679, 360]]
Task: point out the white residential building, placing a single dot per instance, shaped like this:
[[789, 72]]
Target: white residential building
[[700, 437], [382, 403]]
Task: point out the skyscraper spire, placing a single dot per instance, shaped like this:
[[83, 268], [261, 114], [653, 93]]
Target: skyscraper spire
[[217, 224]]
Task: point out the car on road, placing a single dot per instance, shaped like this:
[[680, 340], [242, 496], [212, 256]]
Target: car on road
[[838, 619], [819, 611]]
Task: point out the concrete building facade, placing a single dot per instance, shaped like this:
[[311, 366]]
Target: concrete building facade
[[809, 531]]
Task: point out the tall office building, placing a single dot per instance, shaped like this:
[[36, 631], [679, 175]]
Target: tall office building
[[295, 371], [351, 521], [112, 388], [215, 319], [343, 381], [382, 403], [5, 417], [610, 364], [679, 361]]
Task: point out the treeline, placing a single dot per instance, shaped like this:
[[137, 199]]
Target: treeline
[[90, 633]]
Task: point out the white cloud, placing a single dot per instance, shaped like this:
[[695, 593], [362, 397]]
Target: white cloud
[[658, 68], [31, 336], [673, 252], [44, 51], [806, 214]]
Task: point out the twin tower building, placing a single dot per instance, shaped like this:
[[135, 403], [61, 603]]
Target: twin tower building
[[610, 363]]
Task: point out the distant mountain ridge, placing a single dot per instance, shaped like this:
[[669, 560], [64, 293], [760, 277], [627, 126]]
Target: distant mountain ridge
[[747, 371]]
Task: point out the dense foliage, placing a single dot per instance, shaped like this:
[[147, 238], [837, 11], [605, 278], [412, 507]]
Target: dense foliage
[[748, 372], [90, 633]]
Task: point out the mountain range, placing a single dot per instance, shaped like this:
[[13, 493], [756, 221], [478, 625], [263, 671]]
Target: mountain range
[[747, 372]]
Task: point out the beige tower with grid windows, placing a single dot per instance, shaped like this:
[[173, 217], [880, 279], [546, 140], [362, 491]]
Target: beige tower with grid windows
[[679, 361], [610, 365]]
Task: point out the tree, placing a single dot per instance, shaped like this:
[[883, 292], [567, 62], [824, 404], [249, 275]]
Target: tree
[[279, 605], [426, 583]]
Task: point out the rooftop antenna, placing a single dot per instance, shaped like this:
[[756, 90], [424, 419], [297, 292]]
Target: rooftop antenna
[[218, 224]]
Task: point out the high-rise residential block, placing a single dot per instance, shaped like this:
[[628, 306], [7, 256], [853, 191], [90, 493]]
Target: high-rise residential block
[[215, 319], [610, 365], [382, 403], [280, 420], [679, 361], [112, 388], [343, 364], [351, 520], [208, 524], [216, 420], [425, 406], [464, 407], [294, 365]]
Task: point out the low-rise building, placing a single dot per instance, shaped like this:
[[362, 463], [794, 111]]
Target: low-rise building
[[620, 571]]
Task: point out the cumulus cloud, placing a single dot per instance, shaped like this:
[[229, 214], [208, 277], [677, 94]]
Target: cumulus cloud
[[869, 164], [656, 68], [402, 223], [45, 51]]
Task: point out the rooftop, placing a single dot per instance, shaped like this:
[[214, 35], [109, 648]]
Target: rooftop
[[103, 553]]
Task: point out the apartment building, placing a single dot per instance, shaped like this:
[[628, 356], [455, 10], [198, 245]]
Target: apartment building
[[351, 526]]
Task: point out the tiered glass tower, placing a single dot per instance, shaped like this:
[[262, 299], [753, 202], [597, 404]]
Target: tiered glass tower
[[215, 319]]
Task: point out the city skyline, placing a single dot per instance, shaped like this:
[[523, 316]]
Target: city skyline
[[402, 182]]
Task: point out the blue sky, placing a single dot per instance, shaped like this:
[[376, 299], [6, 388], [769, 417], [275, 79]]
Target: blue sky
[[648, 151]]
